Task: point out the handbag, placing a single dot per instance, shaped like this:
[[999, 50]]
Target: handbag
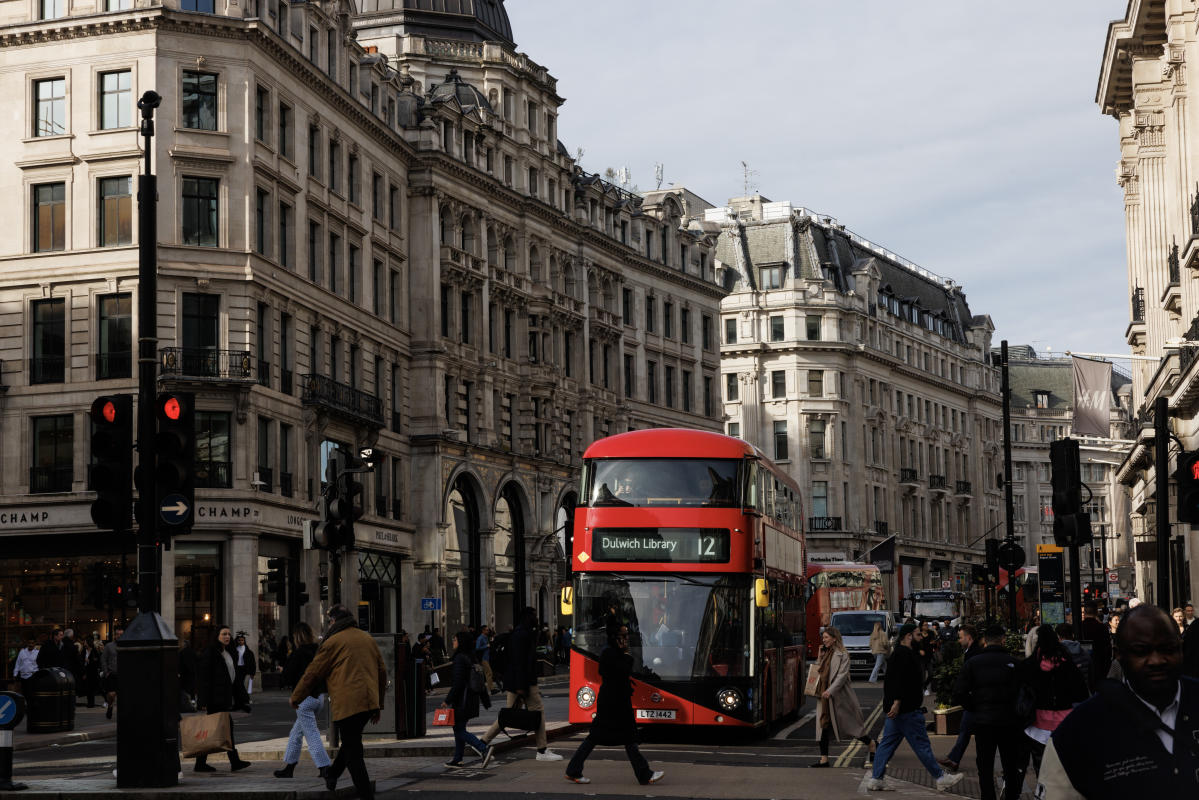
[[521, 719], [813, 681], [205, 733], [443, 716]]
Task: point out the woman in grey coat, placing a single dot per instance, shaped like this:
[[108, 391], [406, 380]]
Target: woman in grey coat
[[838, 714]]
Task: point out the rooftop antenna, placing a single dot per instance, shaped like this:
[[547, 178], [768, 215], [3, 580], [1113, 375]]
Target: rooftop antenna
[[746, 173], [658, 170]]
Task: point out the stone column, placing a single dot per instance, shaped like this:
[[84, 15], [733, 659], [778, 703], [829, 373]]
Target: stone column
[[241, 585]]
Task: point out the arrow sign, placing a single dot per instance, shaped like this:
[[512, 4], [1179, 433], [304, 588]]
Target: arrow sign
[[174, 510], [8, 710]]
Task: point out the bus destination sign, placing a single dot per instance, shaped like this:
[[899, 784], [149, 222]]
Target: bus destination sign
[[689, 545]]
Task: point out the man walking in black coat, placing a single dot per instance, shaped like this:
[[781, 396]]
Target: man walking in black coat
[[987, 687], [1100, 637], [520, 682], [614, 723]]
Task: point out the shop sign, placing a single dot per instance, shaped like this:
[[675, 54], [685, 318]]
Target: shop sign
[[35, 518]]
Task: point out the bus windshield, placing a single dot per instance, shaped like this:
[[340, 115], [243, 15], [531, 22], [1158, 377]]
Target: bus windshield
[[680, 627], [858, 624], [691, 482], [940, 608]]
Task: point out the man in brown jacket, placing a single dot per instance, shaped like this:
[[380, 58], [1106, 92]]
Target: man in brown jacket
[[349, 663]]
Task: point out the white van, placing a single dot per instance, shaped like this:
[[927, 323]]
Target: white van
[[855, 628]]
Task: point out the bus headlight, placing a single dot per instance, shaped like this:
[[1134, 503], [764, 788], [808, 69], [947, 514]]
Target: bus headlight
[[728, 699], [585, 697]]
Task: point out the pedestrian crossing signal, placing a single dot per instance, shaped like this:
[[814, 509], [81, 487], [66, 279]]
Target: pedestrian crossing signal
[[1187, 477]]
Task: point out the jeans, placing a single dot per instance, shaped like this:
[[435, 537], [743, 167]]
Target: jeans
[[1009, 740], [964, 734], [908, 726], [463, 737], [640, 766], [350, 755], [879, 660], [305, 728]]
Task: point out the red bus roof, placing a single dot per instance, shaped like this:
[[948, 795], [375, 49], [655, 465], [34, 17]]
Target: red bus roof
[[670, 443]]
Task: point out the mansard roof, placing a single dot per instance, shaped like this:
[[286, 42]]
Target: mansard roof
[[468, 20]]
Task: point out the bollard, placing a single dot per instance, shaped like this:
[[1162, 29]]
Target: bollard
[[12, 710]]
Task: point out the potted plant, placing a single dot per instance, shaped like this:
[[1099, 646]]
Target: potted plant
[[947, 718]]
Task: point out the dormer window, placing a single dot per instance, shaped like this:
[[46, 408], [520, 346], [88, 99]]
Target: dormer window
[[1041, 398]]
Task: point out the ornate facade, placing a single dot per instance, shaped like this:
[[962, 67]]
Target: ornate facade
[[1144, 85], [369, 235]]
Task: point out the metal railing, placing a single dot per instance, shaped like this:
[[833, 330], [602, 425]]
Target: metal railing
[[824, 523], [43, 480], [937, 482], [908, 475], [114, 365], [214, 474], [333, 395], [47, 369], [203, 362], [962, 487]]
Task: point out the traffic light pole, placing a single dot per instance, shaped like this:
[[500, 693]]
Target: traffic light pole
[[1009, 507], [149, 598]]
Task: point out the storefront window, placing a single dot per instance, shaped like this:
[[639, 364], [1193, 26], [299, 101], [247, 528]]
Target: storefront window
[[198, 591], [379, 578]]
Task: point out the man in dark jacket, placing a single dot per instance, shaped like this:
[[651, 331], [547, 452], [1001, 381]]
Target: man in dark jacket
[[1100, 637], [902, 697], [971, 646], [520, 683], [1190, 652], [987, 686], [1136, 738]]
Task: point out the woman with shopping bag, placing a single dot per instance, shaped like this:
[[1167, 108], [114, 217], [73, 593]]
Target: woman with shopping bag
[[838, 714], [218, 692], [463, 701], [305, 727]]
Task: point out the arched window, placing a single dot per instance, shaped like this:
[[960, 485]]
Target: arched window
[[463, 600]]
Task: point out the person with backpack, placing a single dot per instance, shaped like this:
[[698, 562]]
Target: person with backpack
[[464, 697], [1078, 654], [1057, 685]]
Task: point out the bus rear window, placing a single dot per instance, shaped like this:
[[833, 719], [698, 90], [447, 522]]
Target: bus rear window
[[690, 482]]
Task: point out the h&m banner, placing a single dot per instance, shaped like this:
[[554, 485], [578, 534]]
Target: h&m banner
[[1092, 396]]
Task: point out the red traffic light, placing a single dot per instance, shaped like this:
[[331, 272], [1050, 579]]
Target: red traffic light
[[170, 408], [1195, 469], [109, 410]]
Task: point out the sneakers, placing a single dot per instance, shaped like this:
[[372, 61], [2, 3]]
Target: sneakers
[[487, 754], [877, 785], [869, 762], [657, 776], [948, 780], [548, 755], [453, 764], [579, 779]]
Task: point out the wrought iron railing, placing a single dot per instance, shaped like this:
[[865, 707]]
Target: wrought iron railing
[[335, 396], [937, 482], [203, 362], [114, 365], [50, 479], [47, 369], [908, 475], [824, 523], [962, 487], [214, 474]]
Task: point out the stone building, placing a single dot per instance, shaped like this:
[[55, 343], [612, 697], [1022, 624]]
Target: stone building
[[870, 379], [1145, 86], [369, 235]]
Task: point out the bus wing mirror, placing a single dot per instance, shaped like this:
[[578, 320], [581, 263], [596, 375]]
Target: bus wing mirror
[[568, 601], [761, 593]]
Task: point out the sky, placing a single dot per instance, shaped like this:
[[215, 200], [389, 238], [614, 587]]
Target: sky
[[962, 135]]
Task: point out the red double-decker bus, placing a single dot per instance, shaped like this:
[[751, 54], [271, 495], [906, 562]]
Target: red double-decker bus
[[694, 540], [840, 587]]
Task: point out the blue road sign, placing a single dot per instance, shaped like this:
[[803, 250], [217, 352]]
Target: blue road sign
[[8, 709], [174, 510], [430, 604]]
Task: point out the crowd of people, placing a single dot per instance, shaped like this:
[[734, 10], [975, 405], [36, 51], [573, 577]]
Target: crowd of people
[[90, 661]]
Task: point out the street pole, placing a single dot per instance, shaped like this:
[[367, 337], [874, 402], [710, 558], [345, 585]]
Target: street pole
[[1161, 458], [148, 653], [1009, 508]]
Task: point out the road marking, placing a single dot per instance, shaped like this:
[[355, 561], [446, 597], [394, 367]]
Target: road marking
[[787, 731], [853, 747]]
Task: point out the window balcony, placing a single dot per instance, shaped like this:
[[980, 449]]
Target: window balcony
[[824, 524], [938, 483], [962, 489], [908, 477], [113, 365], [47, 369], [285, 484], [266, 480], [342, 400], [205, 364], [214, 474], [45, 480]]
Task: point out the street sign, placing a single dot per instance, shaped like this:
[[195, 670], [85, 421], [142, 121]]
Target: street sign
[[8, 709], [430, 604], [174, 509], [946, 584], [1113, 577]]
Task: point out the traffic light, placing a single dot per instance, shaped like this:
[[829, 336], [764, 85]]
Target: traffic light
[[124, 595], [333, 532], [979, 574], [1066, 477], [301, 596], [276, 579], [993, 560], [353, 495], [1187, 477], [112, 461], [1072, 529], [175, 477]]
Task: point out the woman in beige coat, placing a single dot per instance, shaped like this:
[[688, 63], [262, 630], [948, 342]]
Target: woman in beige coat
[[838, 713]]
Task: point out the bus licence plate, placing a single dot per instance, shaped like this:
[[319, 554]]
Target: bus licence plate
[[655, 713]]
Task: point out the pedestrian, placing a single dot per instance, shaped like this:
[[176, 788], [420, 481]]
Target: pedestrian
[[73, 652], [463, 699], [924, 645], [218, 690], [520, 683], [108, 671], [91, 672], [1135, 738], [1077, 653], [838, 714], [1188, 612], [971, 646], [1057, 683], [350, 665], [1180, 620], [902, 697], [1190, 652], [614, 723], [305, 727], [247, 666], [1100, 637], [26, 664], [880, 648], [483, 656], [988, 685], [437, 647]]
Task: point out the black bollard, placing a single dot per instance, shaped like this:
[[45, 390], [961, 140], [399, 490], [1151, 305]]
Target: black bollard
[[148, 704], [12, 711]]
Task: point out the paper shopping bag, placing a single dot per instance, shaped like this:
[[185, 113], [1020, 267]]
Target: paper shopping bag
[[813, 680], [205, 733], [443, 716]]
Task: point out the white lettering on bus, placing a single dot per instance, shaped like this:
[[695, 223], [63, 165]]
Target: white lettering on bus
[[635, 543]]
